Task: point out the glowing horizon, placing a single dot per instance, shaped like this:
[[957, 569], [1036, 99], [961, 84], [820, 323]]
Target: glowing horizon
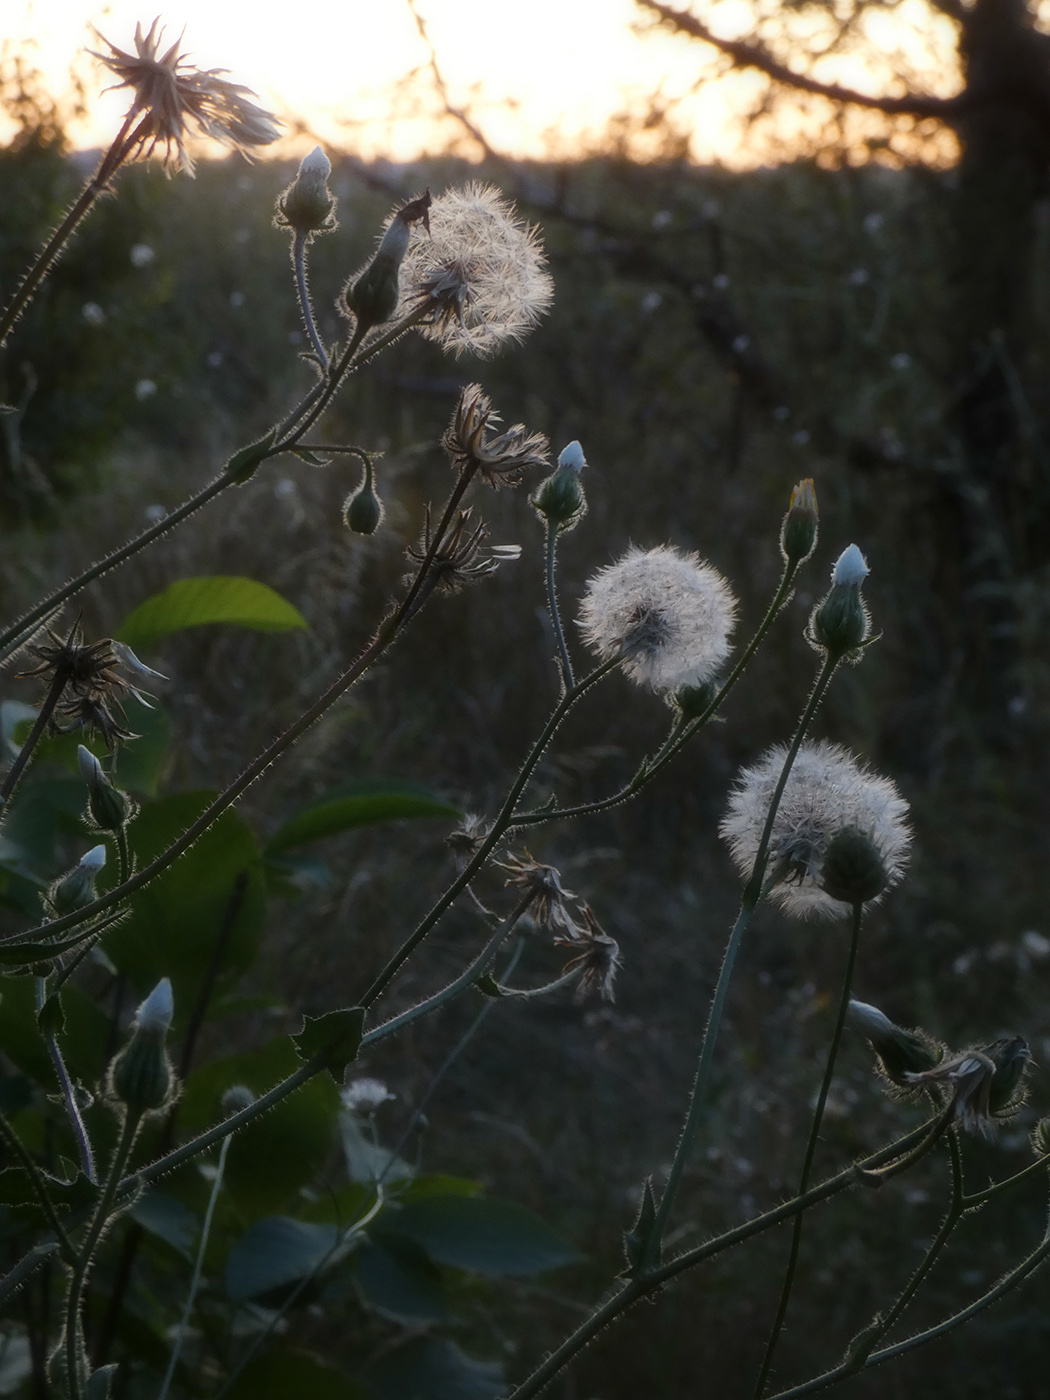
[[545, 86]]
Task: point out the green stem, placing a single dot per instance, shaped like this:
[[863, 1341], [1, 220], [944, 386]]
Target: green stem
[[299, 261], [501, 824], [662, 1274], [750, 898], [123, 855], [69, 1094], [811, 1149], [25, 753], [74, 1338], [26, 1267], [564, 662], [978, 1198], [13, 1143], [198, 1269], [681, 732]]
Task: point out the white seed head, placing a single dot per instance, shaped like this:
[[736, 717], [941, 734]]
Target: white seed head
[[828, 791], [481, 268], [316, 164], [90, 768], [95, 859], [364, 1095], [572, 456], [851, 567], [665, 613], [155, 1014]]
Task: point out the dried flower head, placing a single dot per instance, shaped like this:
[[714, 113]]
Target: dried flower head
[[461, 558], [466, 840], [364, 1096], [547, 903], [481, 271], [665, 613], [90, 680], [597, 957], [502, 460], [986, 1085], [827, 792], [175, 97]]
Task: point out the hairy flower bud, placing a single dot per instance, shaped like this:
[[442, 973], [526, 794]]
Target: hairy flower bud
[[900, 1052], [307, 205], [840, 622], [141, 1076], [560, 498], [77, 888], [363, 510], [852, 869], [373, 296], [798, 532], [692, 701], [108, 807]]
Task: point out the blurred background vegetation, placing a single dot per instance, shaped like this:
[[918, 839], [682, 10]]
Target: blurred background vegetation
[[715, 338]]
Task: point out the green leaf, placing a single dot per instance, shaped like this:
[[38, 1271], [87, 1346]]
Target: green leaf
[[211, 904], [280, 1375], [277, 1154], [480, 1234], [50, 1018], [276, 1252], [335, 1036], [18, 1194], [305, 455], [366, 1160], [637, 1240], [100, 1382], [162, 1215], [359, 804], [428, 1368], [399, 1281], [243, 465], [193, 602], [83, 1041]]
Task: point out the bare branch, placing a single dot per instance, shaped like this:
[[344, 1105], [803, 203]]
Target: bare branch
[[748, 55]]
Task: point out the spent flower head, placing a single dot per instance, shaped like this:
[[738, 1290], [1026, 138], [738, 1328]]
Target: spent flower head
[[986, 1085], [666, 614], [481, 272], [176, 98], [547, 903], [502, 459], [596, 955], [462, 558], [828, 792], [467, 839]]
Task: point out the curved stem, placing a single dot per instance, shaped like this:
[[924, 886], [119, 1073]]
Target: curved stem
[[749, 899], [811, 1149], [25, 753], [564, 662], [503, 821], [123, 855], [305, 306], [14, 1145], [68, 1092], [977, 1198]]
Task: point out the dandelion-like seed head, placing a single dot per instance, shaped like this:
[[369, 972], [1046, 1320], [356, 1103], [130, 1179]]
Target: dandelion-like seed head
[[175, 98], [665, 613], [481, 270], [828, 792]]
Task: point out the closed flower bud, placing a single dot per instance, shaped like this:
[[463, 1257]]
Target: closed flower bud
[[852, 870], [798, 533], [307, 205], [363, 510], [840, 622], [141, 1076], [560, 498], [77, 888], [1041, 1138], [373, 295], [692, 701], [901, 1053], [236, 1097], [108, 807]]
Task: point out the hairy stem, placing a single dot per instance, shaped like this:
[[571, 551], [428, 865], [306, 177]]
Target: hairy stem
[[564, 663], [68, 1092], [305, 305], [811, 1149], [25, 753]]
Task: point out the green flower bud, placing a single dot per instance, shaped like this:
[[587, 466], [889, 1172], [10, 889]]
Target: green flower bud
[[363, 510], [901, 1053], [141, 1076], [798, 532], [374, 295], [852, 869], [840, 622], [108, 807], [695, 700], [307, 205], [1011, 1057], [560, 499], [77, 888], [1041, 1138]]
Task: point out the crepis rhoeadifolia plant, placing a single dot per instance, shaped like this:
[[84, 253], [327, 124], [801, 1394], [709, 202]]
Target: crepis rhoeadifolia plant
[[810, 827]]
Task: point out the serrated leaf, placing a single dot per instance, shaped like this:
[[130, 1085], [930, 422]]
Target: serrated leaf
[[359, 804], [336, 1037], [243, 465], [480, 1234], [216, 598], [276, 1252]]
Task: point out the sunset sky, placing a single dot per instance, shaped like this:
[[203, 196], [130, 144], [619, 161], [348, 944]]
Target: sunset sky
[[543, 77]]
